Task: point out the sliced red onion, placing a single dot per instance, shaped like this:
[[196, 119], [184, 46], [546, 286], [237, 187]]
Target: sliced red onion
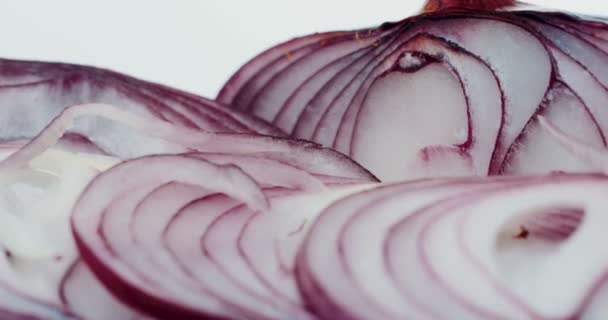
[[35, 92], [111, 253], [149, 221], [474, 249], [492, 89], [519, 279], [230, 240], [271, 166], [222, 217], [170, 211], [408, 242]]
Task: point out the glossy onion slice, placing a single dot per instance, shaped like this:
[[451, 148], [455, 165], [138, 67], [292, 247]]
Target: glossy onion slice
[[113, 255], [440, 94], [186, 242], [97, 303], [125, 199], [62, 174], [33, 93], [516, 248], [153, 136]]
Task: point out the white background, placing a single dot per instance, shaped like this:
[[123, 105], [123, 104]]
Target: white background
[[190, 44]]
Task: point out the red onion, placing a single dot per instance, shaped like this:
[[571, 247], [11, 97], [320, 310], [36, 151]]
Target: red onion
[[33, 93], [125, 199], [456, 98], [276, 162], [376, 254]]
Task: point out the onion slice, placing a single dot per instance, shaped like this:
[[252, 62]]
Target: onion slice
[[116, 263]]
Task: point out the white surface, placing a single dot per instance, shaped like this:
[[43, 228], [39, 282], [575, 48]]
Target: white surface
[[190, 44]]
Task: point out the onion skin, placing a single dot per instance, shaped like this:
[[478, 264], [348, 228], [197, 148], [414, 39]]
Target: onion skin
[[59, 85], [271, 210], [439, 5]]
